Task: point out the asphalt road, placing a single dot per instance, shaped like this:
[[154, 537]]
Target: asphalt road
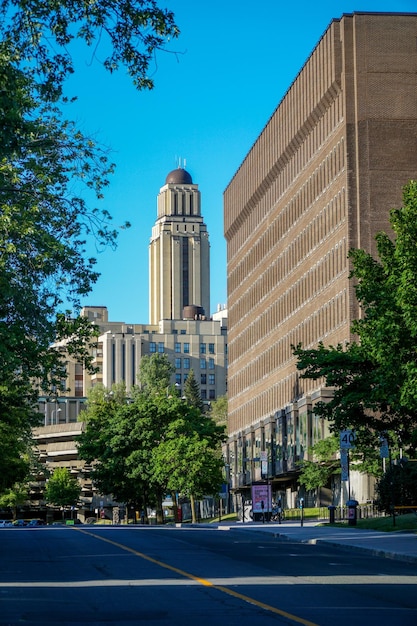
[[201, 577]]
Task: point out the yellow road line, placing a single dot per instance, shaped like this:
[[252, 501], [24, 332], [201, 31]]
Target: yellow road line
[[202, 581]]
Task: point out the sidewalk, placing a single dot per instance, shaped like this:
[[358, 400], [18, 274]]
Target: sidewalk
[[398, 545]]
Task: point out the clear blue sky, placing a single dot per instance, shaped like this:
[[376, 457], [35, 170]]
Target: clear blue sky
[[234, 61]]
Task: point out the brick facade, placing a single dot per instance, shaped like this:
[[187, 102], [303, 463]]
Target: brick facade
[[320, 179]]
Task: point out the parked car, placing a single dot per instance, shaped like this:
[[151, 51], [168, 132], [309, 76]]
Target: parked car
[[5, 523], [36, 522], [20, 522]]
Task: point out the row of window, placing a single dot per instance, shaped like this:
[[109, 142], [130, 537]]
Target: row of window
[[185, 363], [185, 347], [204, 379]]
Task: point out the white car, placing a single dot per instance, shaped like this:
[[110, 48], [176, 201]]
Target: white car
[[5, 522]]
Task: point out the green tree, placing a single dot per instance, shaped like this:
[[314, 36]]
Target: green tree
[[188, 459], [126, 440], [16, 417], [375, 378], [397, 486], [47, 170], [192, 393], [317, 473], [61, 489], [218, 410], [119, 438], [14, 497], [155, 374], [129, 33]]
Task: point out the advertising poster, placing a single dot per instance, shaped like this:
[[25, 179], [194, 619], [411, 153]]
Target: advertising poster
[[261, 494]]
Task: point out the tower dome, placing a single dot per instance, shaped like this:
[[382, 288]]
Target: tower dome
[[179, 177]]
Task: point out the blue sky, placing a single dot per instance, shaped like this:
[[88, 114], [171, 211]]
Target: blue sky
[[214, 92]]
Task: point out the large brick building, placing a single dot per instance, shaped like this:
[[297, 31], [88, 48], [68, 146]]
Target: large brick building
[[320, 179]]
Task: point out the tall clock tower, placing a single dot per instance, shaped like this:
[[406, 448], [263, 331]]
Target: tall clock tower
[[179, 251]]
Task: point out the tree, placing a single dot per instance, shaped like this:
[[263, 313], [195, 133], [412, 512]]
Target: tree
[[155, 374], [133, 443], [14, 497], [16, 417], [375, 378], [120, 436], [188, 459], [61, 489], [192, 393], [42, 236], [40, 34], [397, 486], [218, 410], [47, 170], [317, 473]]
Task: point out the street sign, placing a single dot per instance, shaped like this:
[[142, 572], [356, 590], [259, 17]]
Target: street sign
[[347, 439], [383, 450]]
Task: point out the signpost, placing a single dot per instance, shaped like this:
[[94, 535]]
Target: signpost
[[347, 441]]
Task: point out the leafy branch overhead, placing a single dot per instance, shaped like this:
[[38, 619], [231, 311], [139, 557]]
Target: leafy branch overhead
[[129, 33]]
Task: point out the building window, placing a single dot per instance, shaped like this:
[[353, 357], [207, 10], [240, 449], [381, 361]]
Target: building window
[[202, 348], [211, 379], [152, 346], [177, 347], [161, 347], [203, 380], [186, 348], [203, 394], [178, 379], [211, 364], [203, 364], [212, 394], [185, 377], [211, 348], [78, 388], [177, 363], [183, 332], [186, 363]]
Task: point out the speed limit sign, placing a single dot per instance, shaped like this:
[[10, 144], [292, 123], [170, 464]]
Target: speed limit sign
[[347, 439]]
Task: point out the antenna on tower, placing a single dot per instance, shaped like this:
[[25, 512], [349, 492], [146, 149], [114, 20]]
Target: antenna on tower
[[185, 163]]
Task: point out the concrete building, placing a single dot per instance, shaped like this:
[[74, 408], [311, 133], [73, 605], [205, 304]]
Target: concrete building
[[320, 179], [181, 327], [179, 251]]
